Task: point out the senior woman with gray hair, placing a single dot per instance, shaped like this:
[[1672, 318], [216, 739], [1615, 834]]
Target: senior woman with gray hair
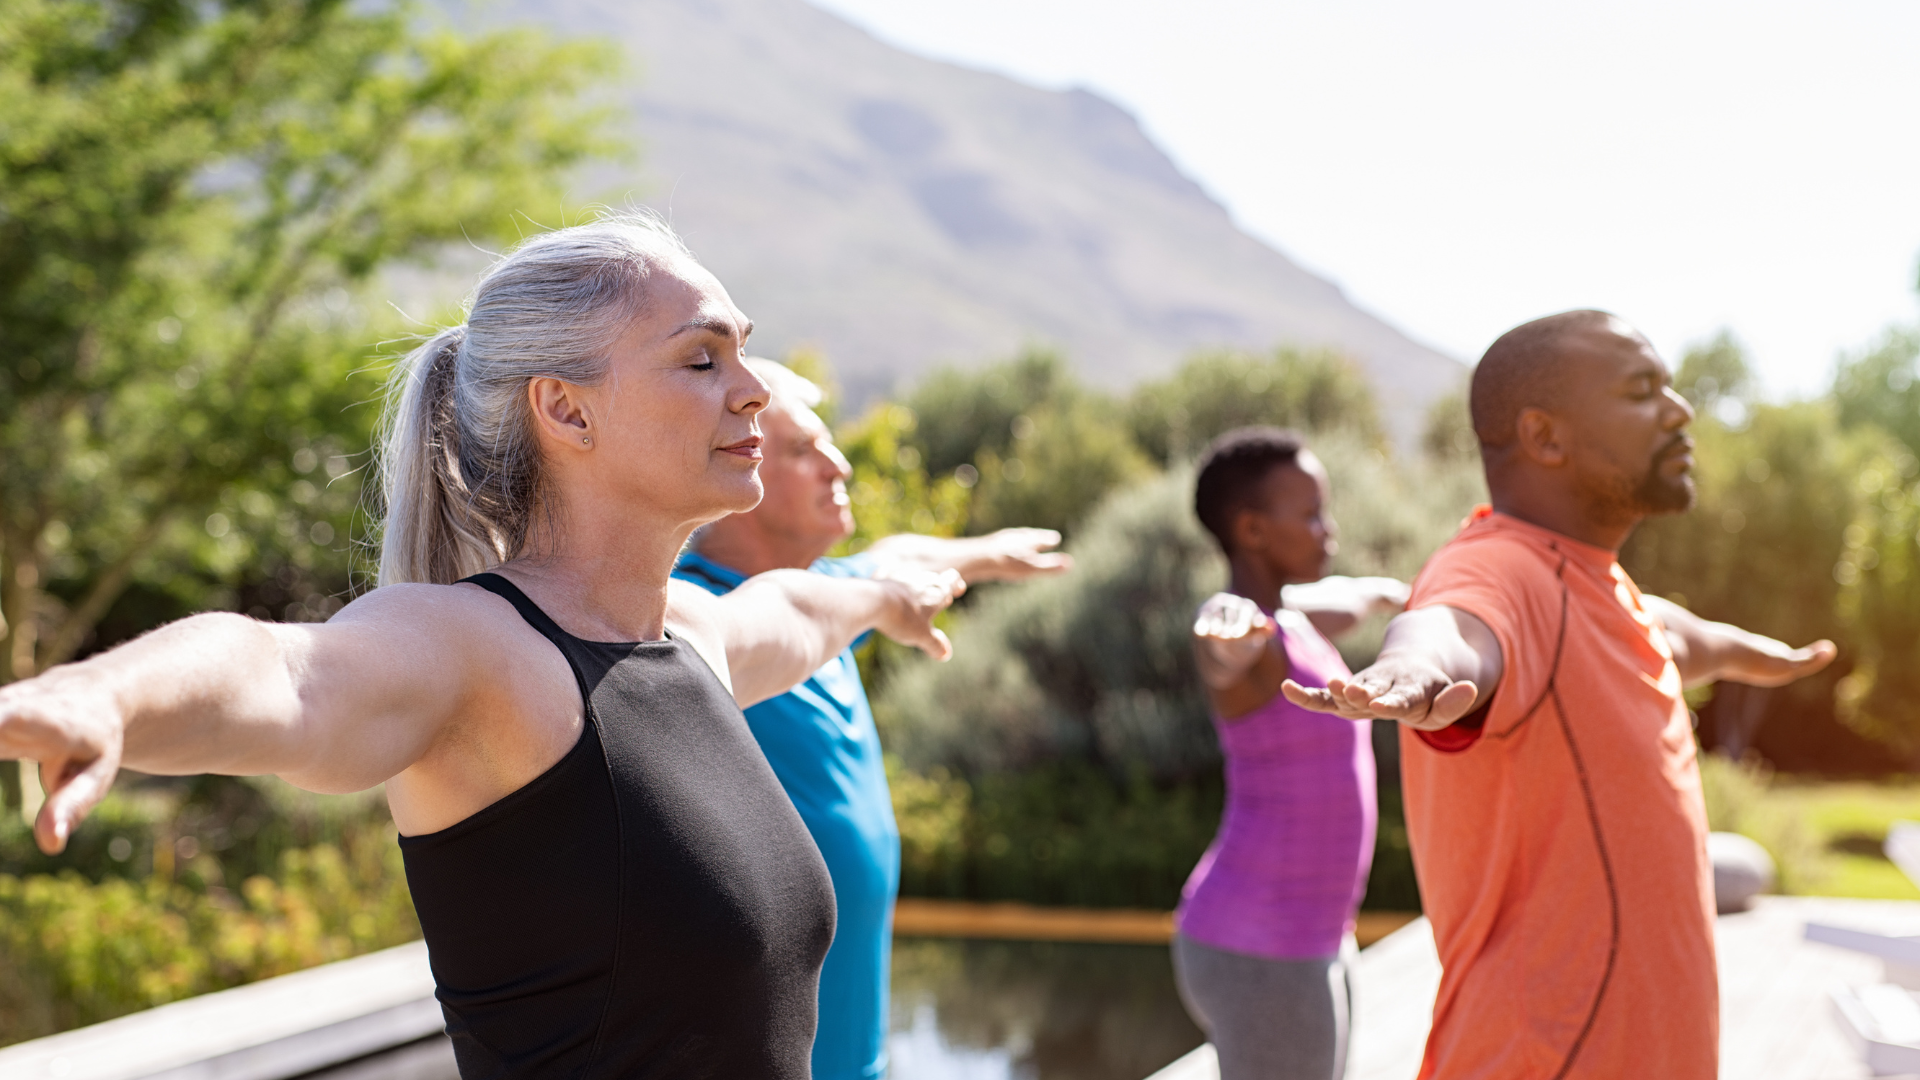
[[610, 879]]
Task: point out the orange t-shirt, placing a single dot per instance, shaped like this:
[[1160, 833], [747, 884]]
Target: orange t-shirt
[[1561, 849]]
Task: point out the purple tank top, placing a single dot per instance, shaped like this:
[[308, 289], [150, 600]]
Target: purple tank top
[[1287, 869]]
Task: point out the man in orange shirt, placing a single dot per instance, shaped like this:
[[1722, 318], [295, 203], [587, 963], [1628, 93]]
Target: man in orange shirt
[[1552, 795]]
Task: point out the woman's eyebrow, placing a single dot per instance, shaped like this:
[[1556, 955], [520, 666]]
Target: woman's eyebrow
[[712, 324]]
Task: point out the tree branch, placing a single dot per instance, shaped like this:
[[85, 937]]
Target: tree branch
[[106, 589]]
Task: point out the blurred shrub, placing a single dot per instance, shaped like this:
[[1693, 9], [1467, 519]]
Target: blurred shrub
[[206, 831], [1738, 801], [1173, 419], [1093, 666], [1063, 459], [1042, 448], [962, 413], [1448, 436], [1066, 833], [1059, 834], [1805, 529], [1879, 604], [75, 952], [891, 489], [1881, 386]]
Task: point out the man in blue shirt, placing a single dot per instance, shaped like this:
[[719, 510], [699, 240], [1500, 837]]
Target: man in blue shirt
[[819, 736]]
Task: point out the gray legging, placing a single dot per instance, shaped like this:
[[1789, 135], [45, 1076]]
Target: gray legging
[[1269, 1019]]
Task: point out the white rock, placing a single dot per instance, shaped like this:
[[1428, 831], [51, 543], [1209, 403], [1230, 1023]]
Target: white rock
[[1742, 869]]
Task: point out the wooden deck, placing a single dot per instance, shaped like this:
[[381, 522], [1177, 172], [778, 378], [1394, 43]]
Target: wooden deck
[[1775, 1019]]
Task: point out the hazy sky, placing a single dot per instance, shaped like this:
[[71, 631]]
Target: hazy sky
[[1463, 167]]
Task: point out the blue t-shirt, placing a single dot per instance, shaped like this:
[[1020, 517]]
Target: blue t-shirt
[[820, 739]]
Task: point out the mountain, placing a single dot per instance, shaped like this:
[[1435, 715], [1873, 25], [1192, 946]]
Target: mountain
[[898, 213]]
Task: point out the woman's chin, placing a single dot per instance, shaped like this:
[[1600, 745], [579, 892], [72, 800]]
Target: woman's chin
[[742, 495]]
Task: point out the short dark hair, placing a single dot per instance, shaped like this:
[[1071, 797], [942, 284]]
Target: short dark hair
[[1522, 369], [1231, 471]]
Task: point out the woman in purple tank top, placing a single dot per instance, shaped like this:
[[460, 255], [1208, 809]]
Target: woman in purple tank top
[[1265, 924]]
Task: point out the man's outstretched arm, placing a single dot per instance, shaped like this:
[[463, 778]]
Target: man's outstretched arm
[[1003, 555], [1707, 651], [1437, 665]]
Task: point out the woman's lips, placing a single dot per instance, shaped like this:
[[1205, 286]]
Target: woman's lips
[[748, 448]]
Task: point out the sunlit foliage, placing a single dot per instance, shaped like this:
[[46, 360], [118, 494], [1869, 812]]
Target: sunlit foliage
[[193, 198]]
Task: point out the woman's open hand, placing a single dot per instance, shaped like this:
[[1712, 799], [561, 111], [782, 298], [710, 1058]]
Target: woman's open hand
[[1230, 634], [74, 730], [916, 599]]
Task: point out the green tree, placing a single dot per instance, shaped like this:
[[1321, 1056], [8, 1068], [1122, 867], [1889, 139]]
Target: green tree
[[1881, 386], [1715, 371], [890, 488], [1449, 435], [1879, 604], [1043, 448], [191, 197], [959, 413], [1804, 529], [1214, 392]]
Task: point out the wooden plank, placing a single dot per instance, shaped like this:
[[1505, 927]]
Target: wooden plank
[[916, 917]]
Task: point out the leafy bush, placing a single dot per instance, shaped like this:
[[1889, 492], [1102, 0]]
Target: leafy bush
[[75, 952], [1064, 833], [1093, 666], [1739, 800]]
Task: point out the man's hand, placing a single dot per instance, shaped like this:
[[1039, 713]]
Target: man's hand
[[1409, 689], [1230, 635], [1431, 668], [1005, 555], [1705, 651], [915, 600], [74, 730], [1015, 555], [1767, 662]]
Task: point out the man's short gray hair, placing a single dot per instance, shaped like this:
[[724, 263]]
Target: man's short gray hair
[[786, 383]]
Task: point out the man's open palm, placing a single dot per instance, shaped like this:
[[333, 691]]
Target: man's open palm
[[1412, 692]]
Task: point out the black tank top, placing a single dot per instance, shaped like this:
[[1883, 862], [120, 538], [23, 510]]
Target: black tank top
[[651, 906]]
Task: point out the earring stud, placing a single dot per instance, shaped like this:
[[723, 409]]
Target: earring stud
[[586, 440]]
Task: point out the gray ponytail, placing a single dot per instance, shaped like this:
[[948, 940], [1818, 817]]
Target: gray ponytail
[[460, 472]]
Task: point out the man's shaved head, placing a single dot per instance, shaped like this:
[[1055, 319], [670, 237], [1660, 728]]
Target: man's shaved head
[[1580, 427], [1527, 368]]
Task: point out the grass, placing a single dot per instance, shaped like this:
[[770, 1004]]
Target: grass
[[1847, 823]]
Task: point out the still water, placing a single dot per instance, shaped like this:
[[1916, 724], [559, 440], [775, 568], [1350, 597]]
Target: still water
[[979, 1010], [991, 1010]]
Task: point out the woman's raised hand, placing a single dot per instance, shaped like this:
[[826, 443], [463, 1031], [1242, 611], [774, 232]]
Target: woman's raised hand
[[1229, 636], [74, 729], [916, 598]]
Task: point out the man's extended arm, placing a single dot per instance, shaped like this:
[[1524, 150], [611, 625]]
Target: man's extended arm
[[1707, 651], [1004, 555], [1432, 669]]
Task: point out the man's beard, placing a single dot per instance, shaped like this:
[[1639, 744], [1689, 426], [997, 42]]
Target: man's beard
[[1659, 494], [1621, 496]]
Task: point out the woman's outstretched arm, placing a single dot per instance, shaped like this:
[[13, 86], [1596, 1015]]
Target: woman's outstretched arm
[[332, 707], [777, 628]]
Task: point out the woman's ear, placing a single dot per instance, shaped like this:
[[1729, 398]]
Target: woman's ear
[[1249, 529], [559, 411]]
